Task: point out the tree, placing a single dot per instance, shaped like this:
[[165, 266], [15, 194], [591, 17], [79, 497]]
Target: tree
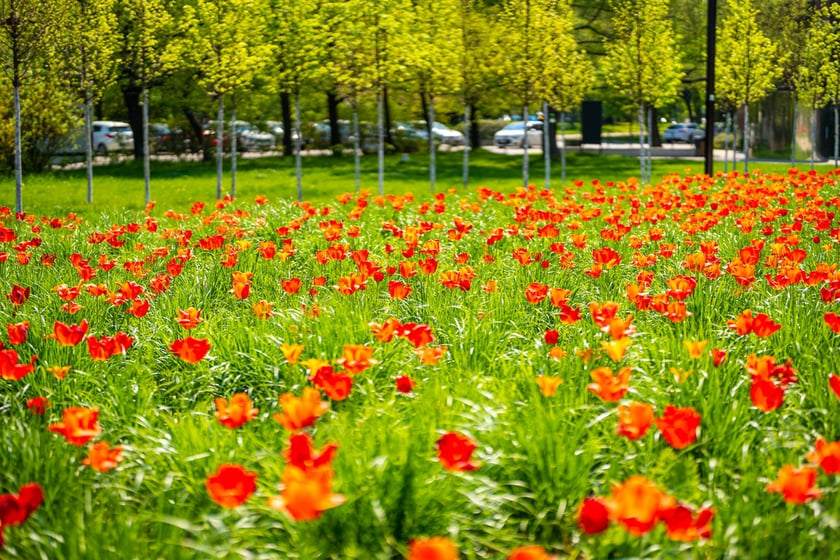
[[298, 33], [524, 21], [746, 66], [642, 61], [831, 69], [224, 39], [435, 53], [145, 29], [26, 27], [89, 46], [809, 78], [566, 74]]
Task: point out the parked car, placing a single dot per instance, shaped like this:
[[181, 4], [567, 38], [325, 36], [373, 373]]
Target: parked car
[[276, 128], [250, 138], [112, 136], [513, 134], [683, 132], [442, 133]]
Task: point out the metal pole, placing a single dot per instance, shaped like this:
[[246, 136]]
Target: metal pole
[[711, 24]]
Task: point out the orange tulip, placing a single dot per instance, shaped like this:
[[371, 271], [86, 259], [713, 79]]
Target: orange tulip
[[231, 485], [356, 358], [101, 457], [826, 455], [298, 413], [78, 426], [548, 385], [607, 386], [405, 384], [306, 494], [237, 413], [634, 420], [335, 384], [616, 348], [532, 552], [637, 504], [189, 318], [796, 485], [301, 452], [695, 347], [833, 321], [11, 368], [682, 525], [17, 332], [398, 290], [191, 350], [60, 372], [69, 335], [593, 516], [291, 351], [679, 426], [765, 394], [430, 355], [834, 384], [432, 548]]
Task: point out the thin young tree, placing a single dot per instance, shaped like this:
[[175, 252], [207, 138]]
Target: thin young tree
[[830, 69], [225, 39], [298, 34], [642, 61], [567, 74], [746, 66], [89, 44], [433, 61], [26, 31], [809, 80], [146, 28]]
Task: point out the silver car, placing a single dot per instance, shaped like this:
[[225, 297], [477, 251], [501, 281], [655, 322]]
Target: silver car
[[683, 132], [513, 135], [112, 136]]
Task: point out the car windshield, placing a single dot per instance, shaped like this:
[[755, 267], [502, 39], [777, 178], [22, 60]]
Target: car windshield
[[120, 129], [519, 125]]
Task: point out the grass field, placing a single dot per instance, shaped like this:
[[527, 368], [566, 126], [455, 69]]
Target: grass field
[[602, 371], [177, 184]]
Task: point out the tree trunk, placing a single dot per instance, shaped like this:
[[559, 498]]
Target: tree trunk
[[298, 171], [475, 128], [380, 141], [465, 168], [726, 142], [18, 150], [286, 113], [525, 147], [746, 138], [387, 109], [88, 146], [356, 144], [836, 133], [220, 132], [546, 146], [793, 134], [146, 165], [641, 118], [233, 140], [198, 132], [424, 107], [813, 127], [131, 97], [650, 141], [432, 145], [563, 148], [335, 132]]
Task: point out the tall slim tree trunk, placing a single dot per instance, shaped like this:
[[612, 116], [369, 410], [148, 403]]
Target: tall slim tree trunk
[[432, 145], [335, 132], [386, 107], [650, 144], [286, 115], [642, 166], [220, 132], [813, 130], [298, 171], [146, 165], [726, 142], [793, 134], [356, 144], [380, 142], [475, 128], [88, 145], [465, 168], [132, 96], [18, 149], [233, 140], [746, 138], [525, 160], [546, 146], [836, 134], [563, 148]]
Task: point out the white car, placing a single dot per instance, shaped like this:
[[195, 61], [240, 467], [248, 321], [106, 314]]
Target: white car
[[443, 133], [112, 136], [249, 138], [513, 135], [683, 132]]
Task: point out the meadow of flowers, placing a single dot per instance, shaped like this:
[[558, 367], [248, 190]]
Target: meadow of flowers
[[601, 371]]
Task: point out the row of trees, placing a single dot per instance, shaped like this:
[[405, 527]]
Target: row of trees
[[478, 55]]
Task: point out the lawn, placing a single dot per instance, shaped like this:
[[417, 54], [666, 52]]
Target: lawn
[[604, 370]]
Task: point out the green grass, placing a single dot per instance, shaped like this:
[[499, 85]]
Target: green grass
[[178, 184], [540, 456]]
